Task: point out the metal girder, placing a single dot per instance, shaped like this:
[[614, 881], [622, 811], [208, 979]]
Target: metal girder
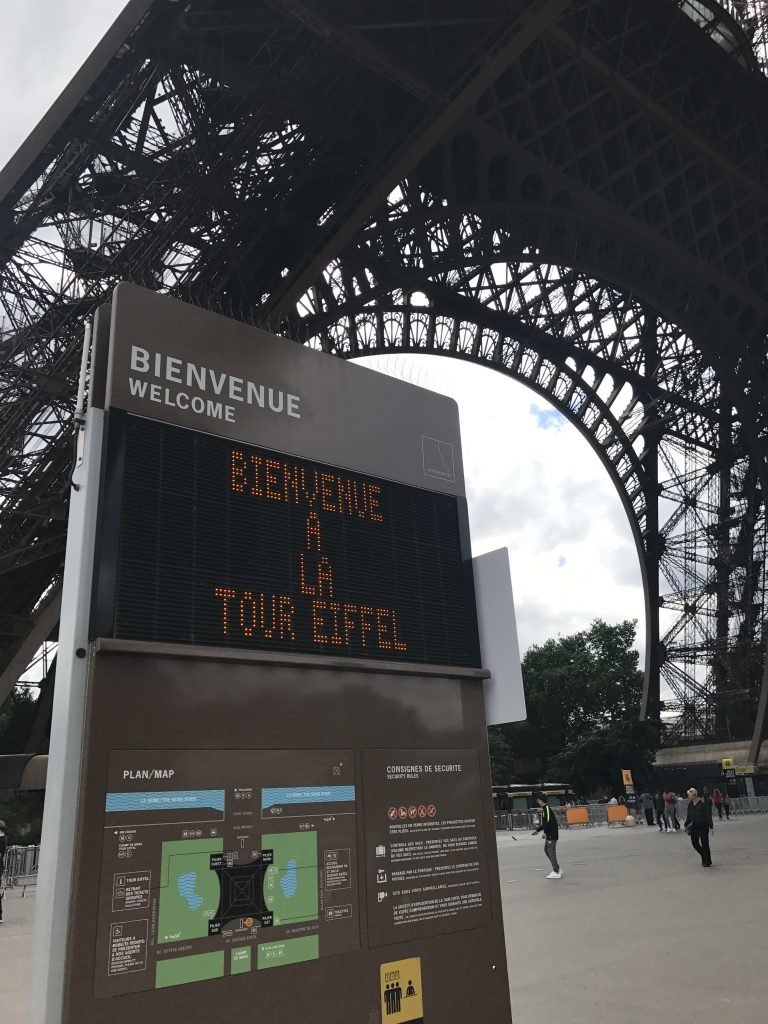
[[351, 321], [552, 194], [361, 206], [44, 623]]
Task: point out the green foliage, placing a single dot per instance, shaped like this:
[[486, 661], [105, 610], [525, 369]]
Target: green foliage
[[579, 683], [595, 761], [23, 817], [501, 756], [16, 716], [21, 812], [575, 686]]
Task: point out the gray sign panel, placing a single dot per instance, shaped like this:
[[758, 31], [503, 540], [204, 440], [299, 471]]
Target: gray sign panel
[[174, 362]]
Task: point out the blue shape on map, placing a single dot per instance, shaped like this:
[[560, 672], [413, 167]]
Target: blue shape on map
[[186, 886], [171, 800], [272, 797], [290, 881]]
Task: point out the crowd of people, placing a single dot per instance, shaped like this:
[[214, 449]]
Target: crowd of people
[[660, 809]]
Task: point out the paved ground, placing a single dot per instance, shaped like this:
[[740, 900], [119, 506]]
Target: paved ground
[[635, 920], [15, 943], [616, 941]]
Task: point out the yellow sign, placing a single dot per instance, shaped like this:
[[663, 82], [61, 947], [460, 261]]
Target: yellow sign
[[727, 762], [626, 775], [401, 996]]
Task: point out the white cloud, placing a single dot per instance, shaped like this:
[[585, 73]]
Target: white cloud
[[42, 44]]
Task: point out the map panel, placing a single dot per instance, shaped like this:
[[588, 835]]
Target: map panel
[[291, 881], [240, 860]]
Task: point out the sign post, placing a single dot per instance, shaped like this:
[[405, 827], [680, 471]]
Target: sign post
[[629, 786], [729, 775], [282, 796]]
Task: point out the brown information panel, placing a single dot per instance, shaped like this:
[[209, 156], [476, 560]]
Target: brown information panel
[[245, 847], [426, 863], [222, 862]]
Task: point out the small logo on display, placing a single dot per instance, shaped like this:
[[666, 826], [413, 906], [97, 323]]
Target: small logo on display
[[412, 812], [438, 459], [422, 810], [402, 813], [431, 810], [392, 813]]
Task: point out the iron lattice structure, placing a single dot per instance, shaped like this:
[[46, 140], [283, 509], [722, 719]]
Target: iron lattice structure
[[571, 192]]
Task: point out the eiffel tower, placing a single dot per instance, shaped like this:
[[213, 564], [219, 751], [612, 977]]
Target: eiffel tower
[[571, 192]]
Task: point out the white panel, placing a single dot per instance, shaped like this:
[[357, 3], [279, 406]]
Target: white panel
[[500, 651], [54, 886]]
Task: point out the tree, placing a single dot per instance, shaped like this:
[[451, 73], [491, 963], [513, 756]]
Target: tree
[[501, 757], [596, 761], [16, 716], [23, 816], [22, 812], [576, 685]]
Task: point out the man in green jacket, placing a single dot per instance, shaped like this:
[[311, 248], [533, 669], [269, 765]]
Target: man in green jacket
[[549, 827]]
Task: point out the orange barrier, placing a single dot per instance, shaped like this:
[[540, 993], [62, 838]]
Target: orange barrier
[[616, 814], [577, 816]]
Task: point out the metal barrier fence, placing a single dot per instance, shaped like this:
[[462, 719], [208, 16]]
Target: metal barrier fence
[[513, 821], [20, 868], [749, 805], [598, 814]]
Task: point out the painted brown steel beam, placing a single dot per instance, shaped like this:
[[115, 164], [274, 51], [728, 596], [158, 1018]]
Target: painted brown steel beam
[[319, 21], [537, 17]]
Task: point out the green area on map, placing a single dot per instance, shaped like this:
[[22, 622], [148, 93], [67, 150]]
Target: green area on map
[[291, 881], [289, 951], [241, 960], [185, 969], [189, 890]]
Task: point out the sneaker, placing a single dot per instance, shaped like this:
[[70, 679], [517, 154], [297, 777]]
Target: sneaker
[[668, 830], [555, 874]]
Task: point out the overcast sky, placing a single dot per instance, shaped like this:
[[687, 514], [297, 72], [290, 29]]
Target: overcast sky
[[535, 485]]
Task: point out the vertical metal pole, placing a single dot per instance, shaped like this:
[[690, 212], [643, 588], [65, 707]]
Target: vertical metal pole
[[721, 668], [52, 903], [653, 541], [762, 713]]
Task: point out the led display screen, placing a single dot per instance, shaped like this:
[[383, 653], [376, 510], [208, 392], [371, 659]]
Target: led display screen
[[209, 541]]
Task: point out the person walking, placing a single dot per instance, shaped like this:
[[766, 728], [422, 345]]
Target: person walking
[[727, 805], [699, 825], [705, 796], [661, 821], [670, 811], [549, 828], [647, 804], [717, 800]]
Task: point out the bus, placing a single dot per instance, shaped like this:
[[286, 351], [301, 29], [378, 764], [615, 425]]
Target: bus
[[520, 797]]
